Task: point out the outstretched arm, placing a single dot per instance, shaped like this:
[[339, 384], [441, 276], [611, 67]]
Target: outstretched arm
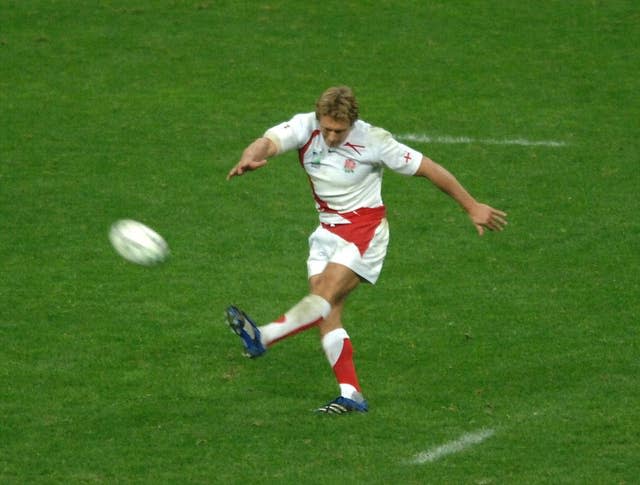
[[254, 157], [482, 215]]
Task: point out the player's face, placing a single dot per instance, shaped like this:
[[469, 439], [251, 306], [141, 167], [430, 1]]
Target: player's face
[[334, 131]]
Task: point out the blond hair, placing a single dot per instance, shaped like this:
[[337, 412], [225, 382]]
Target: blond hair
[[339, 103]]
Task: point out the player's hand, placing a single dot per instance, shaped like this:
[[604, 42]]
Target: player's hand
[[245, 166], [486, 217]]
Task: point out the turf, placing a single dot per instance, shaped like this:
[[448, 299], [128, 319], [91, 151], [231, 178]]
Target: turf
[[115, 373]]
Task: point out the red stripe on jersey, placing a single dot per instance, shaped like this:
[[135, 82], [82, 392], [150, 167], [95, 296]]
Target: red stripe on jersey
[[322, 205], [305, 147], [364, 223], [354, 147]]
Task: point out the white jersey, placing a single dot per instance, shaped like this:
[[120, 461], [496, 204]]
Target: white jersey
[[349, 177]]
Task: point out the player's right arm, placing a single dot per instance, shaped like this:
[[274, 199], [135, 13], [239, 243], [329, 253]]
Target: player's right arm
[[254, 157]]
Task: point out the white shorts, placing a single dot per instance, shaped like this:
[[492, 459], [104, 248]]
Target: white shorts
[[326, 247]]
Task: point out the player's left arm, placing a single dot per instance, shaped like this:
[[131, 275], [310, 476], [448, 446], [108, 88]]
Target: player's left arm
[[482, 215]]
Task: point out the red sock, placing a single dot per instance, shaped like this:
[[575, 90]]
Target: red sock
[[344, 368], [339, 352]]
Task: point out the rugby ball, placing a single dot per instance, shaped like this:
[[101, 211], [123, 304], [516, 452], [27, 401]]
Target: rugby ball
[[138, 243]]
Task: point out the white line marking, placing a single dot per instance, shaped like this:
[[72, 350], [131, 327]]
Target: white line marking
[[462, 443], [482, 141]]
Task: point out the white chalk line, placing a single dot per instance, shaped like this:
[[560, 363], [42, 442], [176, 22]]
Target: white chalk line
[[421, 138], [455, 446]]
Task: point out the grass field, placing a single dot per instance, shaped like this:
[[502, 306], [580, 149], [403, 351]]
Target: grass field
[[529, 338]]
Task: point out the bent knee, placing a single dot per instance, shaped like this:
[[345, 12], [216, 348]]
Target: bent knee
[[332, 288]]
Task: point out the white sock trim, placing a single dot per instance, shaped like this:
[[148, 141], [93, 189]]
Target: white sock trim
[[332, 344], [307, 312], [324, 305], [350, 392]]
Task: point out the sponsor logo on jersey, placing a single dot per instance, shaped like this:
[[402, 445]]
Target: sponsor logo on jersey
[[315, 159]]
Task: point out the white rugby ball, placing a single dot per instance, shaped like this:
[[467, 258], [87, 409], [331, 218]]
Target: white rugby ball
[[138, 243]]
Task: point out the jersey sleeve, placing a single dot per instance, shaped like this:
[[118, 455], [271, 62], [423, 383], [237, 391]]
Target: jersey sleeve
[[292, 134], [397, 156]]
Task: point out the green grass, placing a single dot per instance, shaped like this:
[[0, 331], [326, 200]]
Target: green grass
[[115, 373]]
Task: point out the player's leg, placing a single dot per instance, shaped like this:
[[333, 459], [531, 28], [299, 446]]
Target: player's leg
[[305, 314], [335, 340], [335, 268], [327, 290], [339, 352], [338, 348]]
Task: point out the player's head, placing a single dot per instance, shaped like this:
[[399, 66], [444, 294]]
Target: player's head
[[339, 103]]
